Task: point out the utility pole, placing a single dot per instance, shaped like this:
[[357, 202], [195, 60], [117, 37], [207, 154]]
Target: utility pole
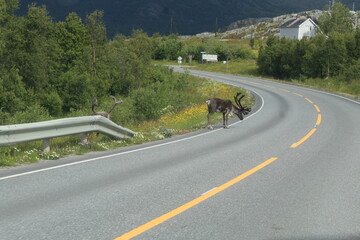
[[227, 64], [216, 26], [171, 25], [356, 16]]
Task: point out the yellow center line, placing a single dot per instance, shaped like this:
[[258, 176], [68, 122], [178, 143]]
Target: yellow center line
[[309, 100], [317, 108], [145, 227], [268, 86], [284, 90], [255, 83], [318, 121], [304, 138]]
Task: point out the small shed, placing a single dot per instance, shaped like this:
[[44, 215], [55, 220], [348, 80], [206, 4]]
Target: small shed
[[298, 28]]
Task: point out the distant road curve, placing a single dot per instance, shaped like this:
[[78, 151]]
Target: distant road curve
[[290, 170]]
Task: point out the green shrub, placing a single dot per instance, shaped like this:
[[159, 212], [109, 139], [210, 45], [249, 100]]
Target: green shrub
[[33, 113], [53, 103], [147, 102], [353, 72]]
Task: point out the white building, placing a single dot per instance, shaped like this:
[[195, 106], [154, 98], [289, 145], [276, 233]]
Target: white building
[[298, 28]]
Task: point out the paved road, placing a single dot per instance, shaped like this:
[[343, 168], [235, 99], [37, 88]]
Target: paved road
[[290, 170]]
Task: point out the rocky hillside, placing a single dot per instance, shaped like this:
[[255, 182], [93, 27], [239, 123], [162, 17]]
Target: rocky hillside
[[174, 16], [261, 28], [264, 27]]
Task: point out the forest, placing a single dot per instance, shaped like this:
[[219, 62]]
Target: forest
[[54, 69]]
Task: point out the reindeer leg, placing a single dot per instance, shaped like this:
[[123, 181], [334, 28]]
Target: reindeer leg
[[209, 124], [226, 116], [224, 120]]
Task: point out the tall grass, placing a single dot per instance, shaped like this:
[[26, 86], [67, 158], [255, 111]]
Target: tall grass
[[239, 67]]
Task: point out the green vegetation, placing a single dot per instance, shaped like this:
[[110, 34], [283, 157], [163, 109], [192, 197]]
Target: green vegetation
[[329, 61], [53, 70], [171, 47], [339, 19], [239, 67], [171, 121]]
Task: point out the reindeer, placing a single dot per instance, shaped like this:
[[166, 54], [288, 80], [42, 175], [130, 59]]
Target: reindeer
[[103, 113], [226, 107]]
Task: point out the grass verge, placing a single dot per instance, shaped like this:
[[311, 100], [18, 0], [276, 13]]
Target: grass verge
[[249, 68]]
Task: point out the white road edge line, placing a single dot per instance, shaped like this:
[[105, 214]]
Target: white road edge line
[[131, 151]]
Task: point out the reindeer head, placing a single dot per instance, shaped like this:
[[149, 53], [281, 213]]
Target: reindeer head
[[103, 113], [95, 102], [239, 110]]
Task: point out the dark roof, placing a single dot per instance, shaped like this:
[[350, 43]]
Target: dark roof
[[294, 23]]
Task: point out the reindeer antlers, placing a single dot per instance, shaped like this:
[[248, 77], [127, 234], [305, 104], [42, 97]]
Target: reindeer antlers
[[238, 99], [103, 113], [116, 102]]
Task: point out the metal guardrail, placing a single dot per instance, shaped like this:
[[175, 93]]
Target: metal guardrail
[[21, 133]]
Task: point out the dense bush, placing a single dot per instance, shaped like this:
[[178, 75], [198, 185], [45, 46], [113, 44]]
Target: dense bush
[[334, 52], [171, 47], [320, 57], [54, 69]]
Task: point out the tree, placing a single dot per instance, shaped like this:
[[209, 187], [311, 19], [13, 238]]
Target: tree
[[252, 43], [122, 61], [97, 35], [7, 8], [337, 20], [336, 54], [12, 91], [39, 50], [73, 40], [141, 47], [30, 49], [357, 44], [276, 59]]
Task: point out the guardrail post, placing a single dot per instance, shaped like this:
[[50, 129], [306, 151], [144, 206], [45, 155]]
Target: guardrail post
[[83, 138], [46, 145]]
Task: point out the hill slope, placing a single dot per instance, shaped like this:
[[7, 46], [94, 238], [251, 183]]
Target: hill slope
[[173, 16]]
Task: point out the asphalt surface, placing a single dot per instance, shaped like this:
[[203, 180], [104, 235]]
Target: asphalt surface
[[289, 170]]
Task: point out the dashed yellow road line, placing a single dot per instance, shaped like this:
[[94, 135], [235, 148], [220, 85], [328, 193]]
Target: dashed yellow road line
[[308, 100], [317, 108], [298, 94], [268, 86], [151, 224], [147, 226], [318, 121], [304, 138], [284, 90]]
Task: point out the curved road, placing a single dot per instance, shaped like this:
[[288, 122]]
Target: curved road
[[290, 170]]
